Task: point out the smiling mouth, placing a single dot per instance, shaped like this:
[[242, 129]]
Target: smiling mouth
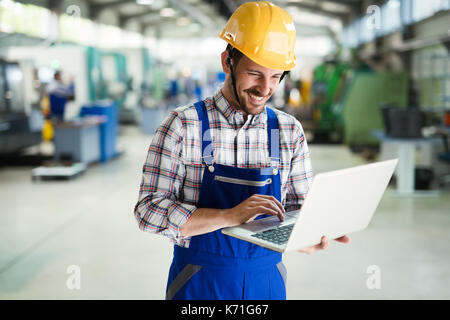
[[255, 97]]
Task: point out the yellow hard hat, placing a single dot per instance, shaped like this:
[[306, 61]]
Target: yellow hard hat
[[264, 33]]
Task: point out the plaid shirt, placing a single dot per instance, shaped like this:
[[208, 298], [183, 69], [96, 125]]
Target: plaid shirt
[[173, 170]]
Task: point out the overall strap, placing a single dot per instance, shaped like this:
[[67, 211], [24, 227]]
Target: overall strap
[[206, 133], [273, 136]]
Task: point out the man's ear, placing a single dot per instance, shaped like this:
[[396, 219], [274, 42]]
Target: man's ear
[[225, 65]]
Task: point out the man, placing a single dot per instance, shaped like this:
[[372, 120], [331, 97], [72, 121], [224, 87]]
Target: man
[[217, 164], [59, 93]]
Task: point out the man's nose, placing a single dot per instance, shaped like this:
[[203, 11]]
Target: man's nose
[[264, 86]]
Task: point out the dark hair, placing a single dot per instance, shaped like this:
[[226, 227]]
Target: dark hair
[[234, 54]]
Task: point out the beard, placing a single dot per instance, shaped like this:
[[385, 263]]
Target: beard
[[240, 99], [245, 105], [250, 108]]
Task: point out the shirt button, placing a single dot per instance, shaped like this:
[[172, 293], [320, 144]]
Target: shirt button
[[275, 172], [211, 168]]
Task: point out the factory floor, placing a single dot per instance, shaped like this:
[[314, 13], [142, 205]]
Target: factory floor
[[51, 232]]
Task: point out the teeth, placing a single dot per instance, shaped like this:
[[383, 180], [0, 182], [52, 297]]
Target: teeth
[[256, 97]]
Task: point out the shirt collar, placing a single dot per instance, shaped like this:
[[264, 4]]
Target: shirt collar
[[234, 116]]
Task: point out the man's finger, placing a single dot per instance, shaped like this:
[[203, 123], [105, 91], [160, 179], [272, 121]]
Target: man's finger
[[263, 209], [308, 250], [323, 243], [273, 199], [281, 216], [343, 239], [273, 203]]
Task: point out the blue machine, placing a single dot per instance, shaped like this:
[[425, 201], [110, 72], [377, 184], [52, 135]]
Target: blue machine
[[108, 130]]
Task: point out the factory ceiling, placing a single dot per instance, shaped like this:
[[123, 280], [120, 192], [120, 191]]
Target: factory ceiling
[[186, 18]]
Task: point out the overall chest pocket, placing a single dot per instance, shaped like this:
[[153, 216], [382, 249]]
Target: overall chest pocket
[[243, 182]]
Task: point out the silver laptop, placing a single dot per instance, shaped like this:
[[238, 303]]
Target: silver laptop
[[338, 203]]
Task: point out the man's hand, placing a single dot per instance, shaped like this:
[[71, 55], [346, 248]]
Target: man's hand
[[325, 242], [254, 206], [205, 220]]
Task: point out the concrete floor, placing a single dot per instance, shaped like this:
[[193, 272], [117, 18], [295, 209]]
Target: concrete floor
[[47, 227]]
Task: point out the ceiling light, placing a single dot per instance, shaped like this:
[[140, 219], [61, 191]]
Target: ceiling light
[[394, 3], [145, 2], [183, 21], [167, 12]]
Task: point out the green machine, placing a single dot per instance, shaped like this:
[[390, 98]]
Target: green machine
[[329, 80], [108, 79], [153, 75], [359, 110], [97, 89], [347, 101], [107, 74]]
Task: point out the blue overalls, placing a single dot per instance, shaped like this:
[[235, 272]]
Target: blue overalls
[[216, 266]]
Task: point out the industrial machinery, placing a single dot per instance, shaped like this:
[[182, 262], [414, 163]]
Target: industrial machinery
[[17, 130], [329, 80], [108, 79], [360, 109], [347, 101]]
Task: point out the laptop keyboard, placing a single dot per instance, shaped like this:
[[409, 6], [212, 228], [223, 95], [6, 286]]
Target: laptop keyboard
[[278, 235]]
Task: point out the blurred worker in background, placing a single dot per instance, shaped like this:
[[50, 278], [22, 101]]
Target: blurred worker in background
[[227, 160], [59, 93]]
